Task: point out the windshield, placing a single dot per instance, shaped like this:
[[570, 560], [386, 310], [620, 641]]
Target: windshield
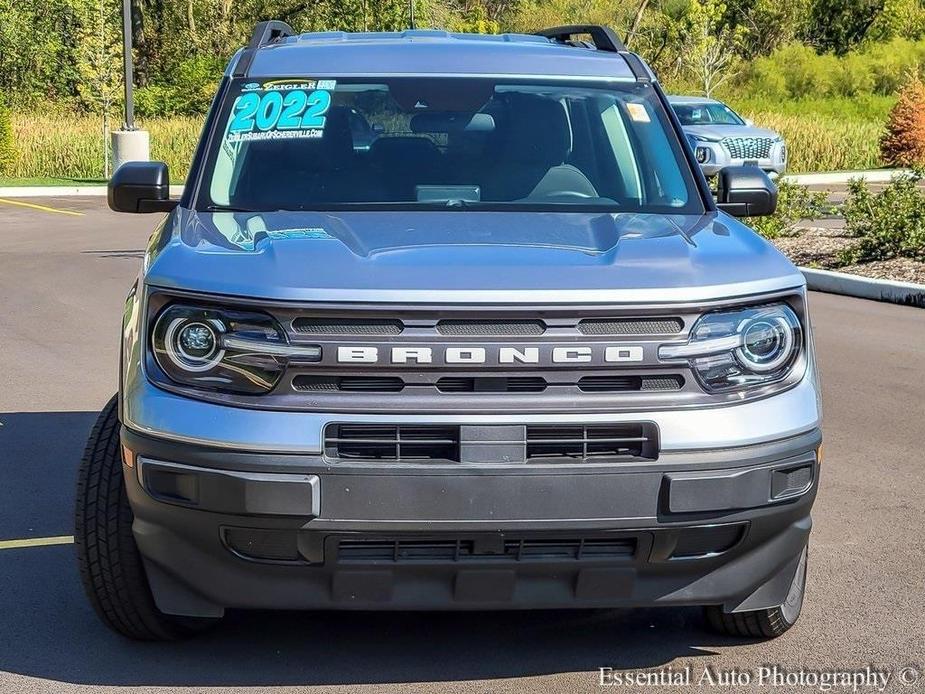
[[707, 114], [457, 143]]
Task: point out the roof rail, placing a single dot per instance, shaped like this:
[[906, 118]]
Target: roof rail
[[603, 37], [264, 34]]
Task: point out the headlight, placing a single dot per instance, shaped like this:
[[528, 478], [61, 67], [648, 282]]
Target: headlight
[[749, 347], [703, 155], [223, 349]]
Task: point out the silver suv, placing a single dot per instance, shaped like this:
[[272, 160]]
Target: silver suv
[[720, 137], [509, 352]]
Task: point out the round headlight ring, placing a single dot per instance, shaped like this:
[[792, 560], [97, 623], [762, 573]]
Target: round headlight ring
[[181, 357], [781, 336]]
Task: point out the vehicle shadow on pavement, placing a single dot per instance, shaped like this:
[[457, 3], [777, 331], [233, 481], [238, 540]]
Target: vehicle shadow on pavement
[[48, 629]]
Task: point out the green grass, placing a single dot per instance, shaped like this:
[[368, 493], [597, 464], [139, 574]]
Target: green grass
[[51, 181]]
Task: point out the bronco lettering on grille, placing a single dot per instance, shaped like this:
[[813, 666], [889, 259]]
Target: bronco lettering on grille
[[560, 354]]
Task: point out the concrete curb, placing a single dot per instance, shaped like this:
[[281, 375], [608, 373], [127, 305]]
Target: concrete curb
[[905, 293], [64, 191], [842, 177]]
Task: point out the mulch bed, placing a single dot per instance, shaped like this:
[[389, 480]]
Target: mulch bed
[[819, 247]]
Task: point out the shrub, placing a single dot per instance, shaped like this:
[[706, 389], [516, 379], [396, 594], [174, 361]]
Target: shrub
[[7, 141], [888, 224], [903, 144], [794, 204]]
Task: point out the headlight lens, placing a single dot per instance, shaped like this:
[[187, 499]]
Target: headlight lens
[[746, 348], [223, 350]]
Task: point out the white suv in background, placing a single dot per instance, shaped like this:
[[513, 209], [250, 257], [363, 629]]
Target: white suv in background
[[720, 137]]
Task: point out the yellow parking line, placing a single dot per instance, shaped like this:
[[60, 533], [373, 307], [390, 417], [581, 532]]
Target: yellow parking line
[[37, 542], [43, 208]]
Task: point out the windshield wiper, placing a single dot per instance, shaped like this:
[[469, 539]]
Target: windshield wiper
[[226, 208]]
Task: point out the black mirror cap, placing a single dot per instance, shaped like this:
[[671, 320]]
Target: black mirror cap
[[746, 191], [140, 186]]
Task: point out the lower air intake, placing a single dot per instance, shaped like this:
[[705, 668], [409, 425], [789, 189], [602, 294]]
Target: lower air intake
[[394, 442], [592, 443]]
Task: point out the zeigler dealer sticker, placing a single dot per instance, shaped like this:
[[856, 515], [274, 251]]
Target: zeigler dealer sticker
[[280, 110], [864, 679]]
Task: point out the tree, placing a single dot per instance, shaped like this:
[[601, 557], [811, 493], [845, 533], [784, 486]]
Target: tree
[[710, 54], [840, 25], [903, 143], [99, 64]]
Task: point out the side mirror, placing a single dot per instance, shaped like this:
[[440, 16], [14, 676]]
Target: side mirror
[[140, 186], [746, 191], [749, 122]]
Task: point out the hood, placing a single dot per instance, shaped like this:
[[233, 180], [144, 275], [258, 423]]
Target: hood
[[718, 132], [471, 257]]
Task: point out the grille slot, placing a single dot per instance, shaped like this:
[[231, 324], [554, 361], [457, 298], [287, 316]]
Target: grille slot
[[459, 550], [391, 442], [347, 326], [475, 328], [623, 384], [512, 384], [748, 147], [349, 384], [630, 326], [592, 442]]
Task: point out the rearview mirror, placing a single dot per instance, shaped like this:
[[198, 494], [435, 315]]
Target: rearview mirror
[[746, 191], [140, 186]]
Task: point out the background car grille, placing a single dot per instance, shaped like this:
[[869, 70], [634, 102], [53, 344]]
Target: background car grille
[[748, 147]]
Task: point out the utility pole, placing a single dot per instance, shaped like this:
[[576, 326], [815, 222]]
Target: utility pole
[[127, 64], [129, 143]]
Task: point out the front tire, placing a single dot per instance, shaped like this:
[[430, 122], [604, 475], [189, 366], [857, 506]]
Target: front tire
[[110, 565], [763, 624]]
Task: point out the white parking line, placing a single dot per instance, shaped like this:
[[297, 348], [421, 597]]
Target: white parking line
[[37, 542]]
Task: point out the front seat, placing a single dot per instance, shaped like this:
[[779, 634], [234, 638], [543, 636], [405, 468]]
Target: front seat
[[536, 145]]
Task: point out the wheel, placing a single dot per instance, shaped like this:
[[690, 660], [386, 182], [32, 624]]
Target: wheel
[[769, 623], [110, 565]]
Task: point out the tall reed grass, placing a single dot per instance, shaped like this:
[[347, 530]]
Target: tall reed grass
[[71, 146]]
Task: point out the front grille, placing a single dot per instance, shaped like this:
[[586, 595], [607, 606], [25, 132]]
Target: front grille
[[592, 442], [476, 328], [347, 326], [348, 384], [622, 384], [630, 326], [460, 550], [748, 147], [393, 442], [490, 384]]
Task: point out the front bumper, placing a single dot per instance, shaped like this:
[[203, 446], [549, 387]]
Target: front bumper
[[225, 529]]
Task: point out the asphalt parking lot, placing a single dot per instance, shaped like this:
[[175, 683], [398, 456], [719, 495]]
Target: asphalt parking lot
[[64, 271]]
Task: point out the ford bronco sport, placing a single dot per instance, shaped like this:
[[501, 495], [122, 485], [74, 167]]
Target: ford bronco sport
[[450, 321]]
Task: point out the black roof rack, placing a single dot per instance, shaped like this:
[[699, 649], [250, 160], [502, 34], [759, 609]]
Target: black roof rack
[[604, 38], [264, 34]]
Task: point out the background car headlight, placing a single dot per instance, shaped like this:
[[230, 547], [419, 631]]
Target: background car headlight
[[223, 350], [750, 347]]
